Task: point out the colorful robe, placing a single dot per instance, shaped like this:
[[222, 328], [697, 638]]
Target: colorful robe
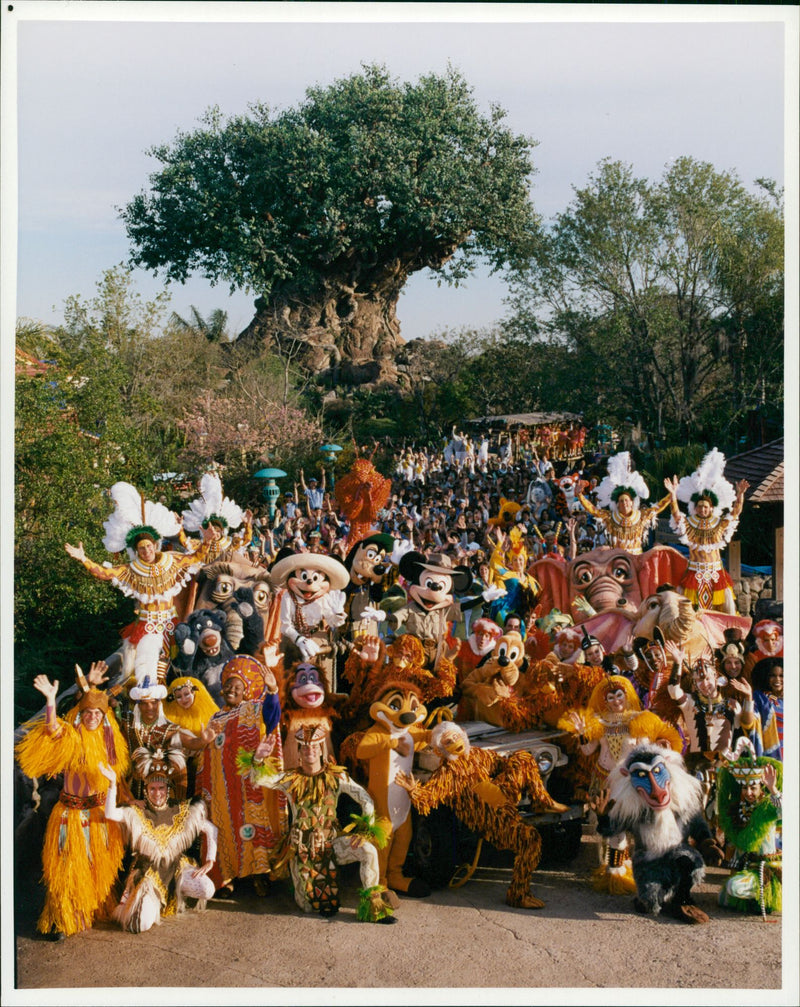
[[250, 820]]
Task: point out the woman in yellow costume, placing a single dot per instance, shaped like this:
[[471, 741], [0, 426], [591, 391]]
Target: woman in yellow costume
[[191, 706], [611, 726], [714, 506], [213, 509], [82, 852], [625, 523], [152, 578]]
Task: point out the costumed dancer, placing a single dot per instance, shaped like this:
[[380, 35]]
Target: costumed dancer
[[651, 677], [143, 723], [361, 494], [711, 722], [82, 853], [768, 703], [768, 636], [651, 795], [317, 841], [250, 822], [152, 578], [213, 510], [619, 498], [484, 634], [612, 724], [484, 789], [750, 814], [190, 705], [714, 509], [161, 876]]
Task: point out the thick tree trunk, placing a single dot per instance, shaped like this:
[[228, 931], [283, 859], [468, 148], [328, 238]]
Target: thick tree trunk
[[347, 335]]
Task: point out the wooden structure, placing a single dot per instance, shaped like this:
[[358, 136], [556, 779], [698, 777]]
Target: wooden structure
[[762, 467], [509, 421], [521, 428]]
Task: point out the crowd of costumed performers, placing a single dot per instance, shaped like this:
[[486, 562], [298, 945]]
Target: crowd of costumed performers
[[279, 671]]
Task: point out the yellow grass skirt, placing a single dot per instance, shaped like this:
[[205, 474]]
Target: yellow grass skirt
[[82, 855]]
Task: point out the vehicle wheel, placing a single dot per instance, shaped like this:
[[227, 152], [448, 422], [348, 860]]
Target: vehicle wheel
[[561, 842]]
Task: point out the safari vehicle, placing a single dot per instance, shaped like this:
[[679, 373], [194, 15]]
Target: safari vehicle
[[446, 852]]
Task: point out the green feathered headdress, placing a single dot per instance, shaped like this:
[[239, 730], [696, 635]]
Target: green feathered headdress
[[141, 531], [217, 519]]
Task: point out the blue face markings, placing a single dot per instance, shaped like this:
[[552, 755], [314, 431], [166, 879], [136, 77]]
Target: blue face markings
[[642, 777]]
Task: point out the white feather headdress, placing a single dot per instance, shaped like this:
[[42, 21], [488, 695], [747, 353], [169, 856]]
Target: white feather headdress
[[708, 477], [131, 511], [211, 503], [620, 473]]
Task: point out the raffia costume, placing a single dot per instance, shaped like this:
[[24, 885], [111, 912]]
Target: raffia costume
[[755, 884], [82, 852], [319, 844], [483, 790]]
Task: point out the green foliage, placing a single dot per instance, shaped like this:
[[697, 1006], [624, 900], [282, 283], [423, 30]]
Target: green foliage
[[214, 328], [367, 181], [675, 288], [661, 465], [72, 441]]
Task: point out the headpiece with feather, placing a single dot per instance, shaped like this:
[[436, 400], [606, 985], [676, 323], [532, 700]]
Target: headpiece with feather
[[212, 506], [708, 482], [621, 479], [134, 517]]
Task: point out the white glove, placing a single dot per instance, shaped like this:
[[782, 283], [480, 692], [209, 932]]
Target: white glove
[[493, 593], [401, 547], [372, 613], [308, 648]]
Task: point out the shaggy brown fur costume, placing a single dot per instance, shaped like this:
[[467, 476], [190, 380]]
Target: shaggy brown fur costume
[[483, 790]]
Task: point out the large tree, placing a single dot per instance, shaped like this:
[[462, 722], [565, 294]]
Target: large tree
[[325, 210], [667, 295]]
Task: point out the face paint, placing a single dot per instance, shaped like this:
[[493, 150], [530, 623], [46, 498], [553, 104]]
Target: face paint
[[652, 782]]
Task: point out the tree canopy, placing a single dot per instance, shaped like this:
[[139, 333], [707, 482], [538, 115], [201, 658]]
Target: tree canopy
[[324, 210], [675, 287]]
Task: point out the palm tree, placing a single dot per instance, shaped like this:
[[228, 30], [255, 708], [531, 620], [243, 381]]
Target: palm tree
[[214, 328]]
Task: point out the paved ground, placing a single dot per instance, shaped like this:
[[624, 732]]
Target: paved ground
[[455, 939]]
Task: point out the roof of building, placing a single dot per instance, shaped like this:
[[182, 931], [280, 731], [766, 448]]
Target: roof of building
[[762, 467], [527, 419], [25, 364]]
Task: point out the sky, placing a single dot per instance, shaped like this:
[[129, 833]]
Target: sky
[[87, 88], [93, 96]]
